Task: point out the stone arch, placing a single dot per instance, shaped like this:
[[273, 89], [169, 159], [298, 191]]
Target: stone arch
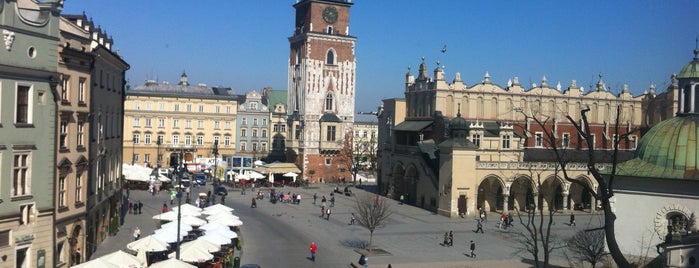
[[490, 193], [398, 174], [409, 185], [673, 218], [552, 192], [579, 197], [522, 192], [74, 244]]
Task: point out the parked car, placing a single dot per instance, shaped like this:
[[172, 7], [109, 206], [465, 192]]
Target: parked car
[[221, 190], [185, 183], [200, 178]]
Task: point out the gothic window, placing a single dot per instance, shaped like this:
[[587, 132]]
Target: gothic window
[[330, 58], [329, 102]]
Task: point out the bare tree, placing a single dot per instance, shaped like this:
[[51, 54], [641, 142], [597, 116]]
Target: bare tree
[[588, 246], [371, 214], [349, 156]]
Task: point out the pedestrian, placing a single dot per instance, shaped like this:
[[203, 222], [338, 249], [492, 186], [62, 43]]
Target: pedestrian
[[446, 239], [322, 211], [473, 249], [130, 206], [451, 238], [328, 214], [480, 227], [314, 249], [509, 220], [363, 260], [322, 201], [164, 208], [572, 219], [402, 198], [173, 193], [77, 256], [136, 233], [351, 219], [298, 199], [332, 201], [197, 202], [254, 203], [140, 206], [376, 201], [315, 196]]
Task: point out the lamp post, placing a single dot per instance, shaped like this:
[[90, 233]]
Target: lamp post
[[214, 181], [180, 171], [157, 156]]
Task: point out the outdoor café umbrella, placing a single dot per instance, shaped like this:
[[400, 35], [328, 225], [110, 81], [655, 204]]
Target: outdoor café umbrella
[[291, 175], [216, 239], [224, 216], [173, 225], [213, 226], [149, 244], [167, 216], [226, 233], [168, 235], [172, 263], [193, 255], [217, 207], [97, 263], [194, 221], [122, 259], [228, 222]]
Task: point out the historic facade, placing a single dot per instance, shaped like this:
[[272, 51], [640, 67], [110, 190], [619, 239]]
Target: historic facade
[[662, 179], [163, 120], [252, 126], [321, 87], [364, 142], [107, 92], [480, 146], [276, 101], [28, 96]]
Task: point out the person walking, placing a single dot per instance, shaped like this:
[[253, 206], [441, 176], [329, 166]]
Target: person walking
[[322, 211], [313, 249], [315, 197], [473, 249], [322, 201], [332, 201], [363, 260], [509, 220], [402, 198], [328, 214], [136, 233], [376, 201], [479, 227], [254, 203], [140, 206], [352, 219], [451, 238], [572, 219], [164, 208], [446, 239]]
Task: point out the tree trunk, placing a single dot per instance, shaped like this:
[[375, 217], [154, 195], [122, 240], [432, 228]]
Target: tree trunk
[[371, 237], [609, 219]]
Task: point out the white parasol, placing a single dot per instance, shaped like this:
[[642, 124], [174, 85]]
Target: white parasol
[[193, 221], [221, 232], [122, 259], [291, 175], [97, 263], [228, 221], [149, 244], [172, 263], [173, 225], [216, 239]]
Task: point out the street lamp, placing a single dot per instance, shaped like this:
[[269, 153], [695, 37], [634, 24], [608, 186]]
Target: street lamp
[[214, 181], [157, 156], [180, 171]]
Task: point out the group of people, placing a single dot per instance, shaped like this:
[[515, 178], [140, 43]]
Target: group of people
[[135, 207], [505, 220]]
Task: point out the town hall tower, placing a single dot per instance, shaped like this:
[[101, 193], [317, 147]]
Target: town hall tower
[[321, 87]]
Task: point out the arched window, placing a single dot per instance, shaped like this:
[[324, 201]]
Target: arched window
[[330, 58], [329, 102]]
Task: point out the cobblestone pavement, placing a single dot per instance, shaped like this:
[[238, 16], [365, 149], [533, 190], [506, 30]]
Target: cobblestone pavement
[[412, 236]]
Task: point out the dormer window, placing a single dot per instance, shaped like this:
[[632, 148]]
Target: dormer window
[[330, 58]]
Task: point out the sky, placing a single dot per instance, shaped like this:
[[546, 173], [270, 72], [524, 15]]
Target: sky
[[244, 44]]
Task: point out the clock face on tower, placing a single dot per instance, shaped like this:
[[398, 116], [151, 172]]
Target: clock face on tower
[[330, 14]]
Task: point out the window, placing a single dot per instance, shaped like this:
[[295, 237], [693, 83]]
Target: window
[[330, 133], [135, 159], [283, 128], [146, 158], [254, 146], [175, 139], [476, 139], [161, 106], [189, 107], [328, 161], [594, 140], [188, 123], [81, 133], [330, 30], [264, 146], [633, 140], [187, 139], [373, 135], [201, 108], [62, 191], [538, 139], [244, 121], [365, 134], [149, 106], [23, 111], [200, 124], [228, 124], [148, 122], [264, 133], [78, 187], [64, 133], [161, 122], [243, 146], [330, 58], [217, 139], [228, 109], [253, 106], [243, 132], [506, 141], [81, 90], [21, 257], [615, 141], [275, 128], [175, 123], [218, 109], [137, 105], [329, 102], [227, 140], [28, 214], [254, 132], [136, 138], [217, 124], [146, 138], [200, 139], [161, 138], [177, 108], [264, 121], [21, 177], [136, 121], [65, 84], [565, 141], [4, 238], [254, 121]]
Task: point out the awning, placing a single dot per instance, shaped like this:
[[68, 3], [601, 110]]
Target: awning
[[412, 125], [277, 168]]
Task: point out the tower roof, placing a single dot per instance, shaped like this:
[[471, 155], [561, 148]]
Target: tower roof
[[691, 69]]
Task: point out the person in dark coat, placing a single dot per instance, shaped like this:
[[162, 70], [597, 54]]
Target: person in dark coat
[[480, 227], [572, 219], [473, 249]]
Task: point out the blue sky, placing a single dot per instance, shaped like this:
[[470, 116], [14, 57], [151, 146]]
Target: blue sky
[[244, 45]]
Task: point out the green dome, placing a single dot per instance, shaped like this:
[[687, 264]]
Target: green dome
[[669, 150], [691, 69]]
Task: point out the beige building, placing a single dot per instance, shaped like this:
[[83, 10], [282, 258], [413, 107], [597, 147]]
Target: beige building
[[453, 148], [163, 120], [364, 141]]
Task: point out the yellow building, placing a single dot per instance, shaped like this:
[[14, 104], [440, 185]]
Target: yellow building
[[163, 119]]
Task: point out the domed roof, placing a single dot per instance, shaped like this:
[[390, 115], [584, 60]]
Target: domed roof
[[691, 69], [669, 150], [458, 122]]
